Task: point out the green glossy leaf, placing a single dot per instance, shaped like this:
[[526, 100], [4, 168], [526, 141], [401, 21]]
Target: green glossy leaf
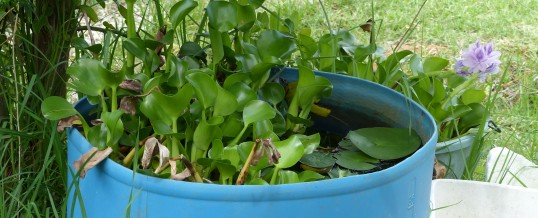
[[226, 170], [204, 135], [353, 160], [432, 64], [257, 110], [222, 15], [205, 87], [273, 93], [262, 129], [236, 78], [89, 12], [279, 124], [361, 52], [272, 43], [247, 62], [243, 95], [287, 177], [346, 144], [291, 151], [161, 128], [318, 159], [90, 77], [79, 43], [55, 108], [309, 176], [472, 118], [178, 70], [95, 48], [225, 103], [256, 181], [246, 16], [416, 65], [232, 125], [311, 88], [230, 153], [179, 11], [97, 136], [159, 106], [216, 150], [244, 149], [310, 142], [473, 96], [135, 46], [385, 143], [114, 127], [439, 93]]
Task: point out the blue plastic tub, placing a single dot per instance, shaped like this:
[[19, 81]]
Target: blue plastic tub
[[400, 191]]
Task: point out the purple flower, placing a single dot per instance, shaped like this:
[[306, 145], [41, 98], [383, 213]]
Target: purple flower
[[478, 59]]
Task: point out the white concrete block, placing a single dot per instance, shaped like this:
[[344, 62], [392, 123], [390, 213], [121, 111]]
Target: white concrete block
[[504, 166]]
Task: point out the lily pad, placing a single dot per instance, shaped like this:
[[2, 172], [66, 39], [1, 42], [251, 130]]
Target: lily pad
[[385, 143], [318, 159], [354, 160]]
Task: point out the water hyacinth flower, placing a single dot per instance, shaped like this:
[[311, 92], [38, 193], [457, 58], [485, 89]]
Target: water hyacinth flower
[[480, 59]]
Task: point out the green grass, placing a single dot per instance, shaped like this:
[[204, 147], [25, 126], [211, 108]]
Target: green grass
[[445, 27]]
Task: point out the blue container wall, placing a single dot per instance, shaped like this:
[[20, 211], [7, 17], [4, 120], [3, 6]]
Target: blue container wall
[[400, 191]]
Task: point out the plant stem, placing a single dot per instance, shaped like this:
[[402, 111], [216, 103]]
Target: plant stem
[[236, 139], [273, 178], [103, 103], [159, 13], [175, 146], [114, 103], [131, 33], [244, 171]]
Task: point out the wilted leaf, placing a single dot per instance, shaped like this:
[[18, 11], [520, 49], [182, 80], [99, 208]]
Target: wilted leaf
[[149, 148], [385, 143], [128, 104], [131, 84], [181, 176], [90, 159], [67, 122]]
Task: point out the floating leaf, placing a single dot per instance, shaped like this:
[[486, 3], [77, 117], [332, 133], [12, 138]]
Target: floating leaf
[[55, 108], [90, 159], [318, 159], [385, 143], [337, 172], [354, 160]]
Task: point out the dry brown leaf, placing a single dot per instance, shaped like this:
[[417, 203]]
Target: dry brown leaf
[[91, 159], [131, 84], [149, 149], [96, 122], [439, 170], [128, 104], [67, 122], [182, 176]]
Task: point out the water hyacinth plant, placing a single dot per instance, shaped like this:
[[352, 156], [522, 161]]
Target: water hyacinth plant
[[206, 107]]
